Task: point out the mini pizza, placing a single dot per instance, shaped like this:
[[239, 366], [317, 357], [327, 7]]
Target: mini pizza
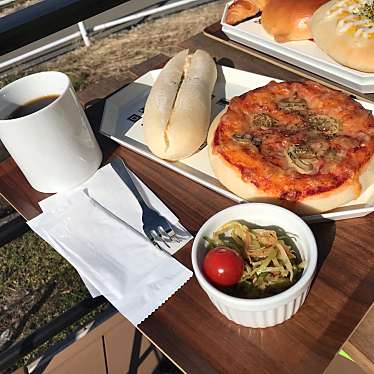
[[298, 144]]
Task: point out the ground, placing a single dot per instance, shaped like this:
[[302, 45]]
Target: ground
[[37, 284]]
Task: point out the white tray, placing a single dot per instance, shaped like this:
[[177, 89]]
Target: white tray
[[304, 54], [122, 122]]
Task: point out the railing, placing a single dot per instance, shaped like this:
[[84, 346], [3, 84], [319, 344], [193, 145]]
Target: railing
[[14, 226], [145, 13], [10, 356], [82, 32], [47, 17], [4, 3]]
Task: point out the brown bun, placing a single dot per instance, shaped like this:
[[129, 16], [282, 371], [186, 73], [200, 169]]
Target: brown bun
[[289, 20], [350, 48], [240, 10], [260, 3]]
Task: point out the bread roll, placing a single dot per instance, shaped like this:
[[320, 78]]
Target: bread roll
[[345, 31], [240, 10], [178, 109], [260, 3], [289, 20]]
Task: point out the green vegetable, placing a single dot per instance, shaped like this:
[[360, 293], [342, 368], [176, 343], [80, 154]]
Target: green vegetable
[[272, 260]]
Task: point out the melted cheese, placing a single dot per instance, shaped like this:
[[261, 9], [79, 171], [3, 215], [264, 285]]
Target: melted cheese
[[350, 21]]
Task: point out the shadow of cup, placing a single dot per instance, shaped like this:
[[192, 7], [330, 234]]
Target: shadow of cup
[[4, 154]]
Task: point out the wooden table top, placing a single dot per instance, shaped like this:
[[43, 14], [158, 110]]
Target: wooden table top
[[188, 327], [360, 345]]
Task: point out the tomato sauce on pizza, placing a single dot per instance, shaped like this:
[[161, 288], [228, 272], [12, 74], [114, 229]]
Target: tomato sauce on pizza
[[294, 140]]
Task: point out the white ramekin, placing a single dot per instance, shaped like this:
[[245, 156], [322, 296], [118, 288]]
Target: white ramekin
[[272, 310]]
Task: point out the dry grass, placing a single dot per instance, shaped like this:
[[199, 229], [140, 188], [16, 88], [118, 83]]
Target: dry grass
[[113, 55]]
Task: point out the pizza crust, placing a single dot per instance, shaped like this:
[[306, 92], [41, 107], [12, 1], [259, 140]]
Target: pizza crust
[[231, 178]]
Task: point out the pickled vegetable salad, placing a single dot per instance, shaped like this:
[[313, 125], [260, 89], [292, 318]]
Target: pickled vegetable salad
[[272, 261]]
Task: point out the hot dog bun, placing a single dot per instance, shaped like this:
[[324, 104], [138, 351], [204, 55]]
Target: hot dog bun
[[178, 108]]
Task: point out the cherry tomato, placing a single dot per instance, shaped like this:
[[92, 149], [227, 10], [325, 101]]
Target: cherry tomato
[[223, 266]]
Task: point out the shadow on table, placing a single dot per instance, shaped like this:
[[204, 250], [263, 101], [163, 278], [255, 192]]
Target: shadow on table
[[94, 110], [224, 61], [324, 233]]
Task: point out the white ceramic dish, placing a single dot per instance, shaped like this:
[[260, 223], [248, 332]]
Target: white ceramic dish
[[272, 310], [122, 121], [304, 54]]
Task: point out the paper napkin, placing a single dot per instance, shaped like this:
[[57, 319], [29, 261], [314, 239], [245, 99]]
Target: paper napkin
[[114, 259]]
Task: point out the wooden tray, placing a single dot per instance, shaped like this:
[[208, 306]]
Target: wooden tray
[[215, 32]]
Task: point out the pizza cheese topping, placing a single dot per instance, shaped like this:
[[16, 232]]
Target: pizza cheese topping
[[367, 10], [294, 140], [355, 17]]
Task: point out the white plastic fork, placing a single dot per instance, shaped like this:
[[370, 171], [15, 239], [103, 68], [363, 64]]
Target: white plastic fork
[[118, 219], [156, 227]]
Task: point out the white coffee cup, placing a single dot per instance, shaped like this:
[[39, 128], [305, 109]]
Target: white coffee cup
[[55, 146]]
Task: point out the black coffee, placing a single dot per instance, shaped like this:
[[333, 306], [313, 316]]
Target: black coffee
[[32, 106]]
